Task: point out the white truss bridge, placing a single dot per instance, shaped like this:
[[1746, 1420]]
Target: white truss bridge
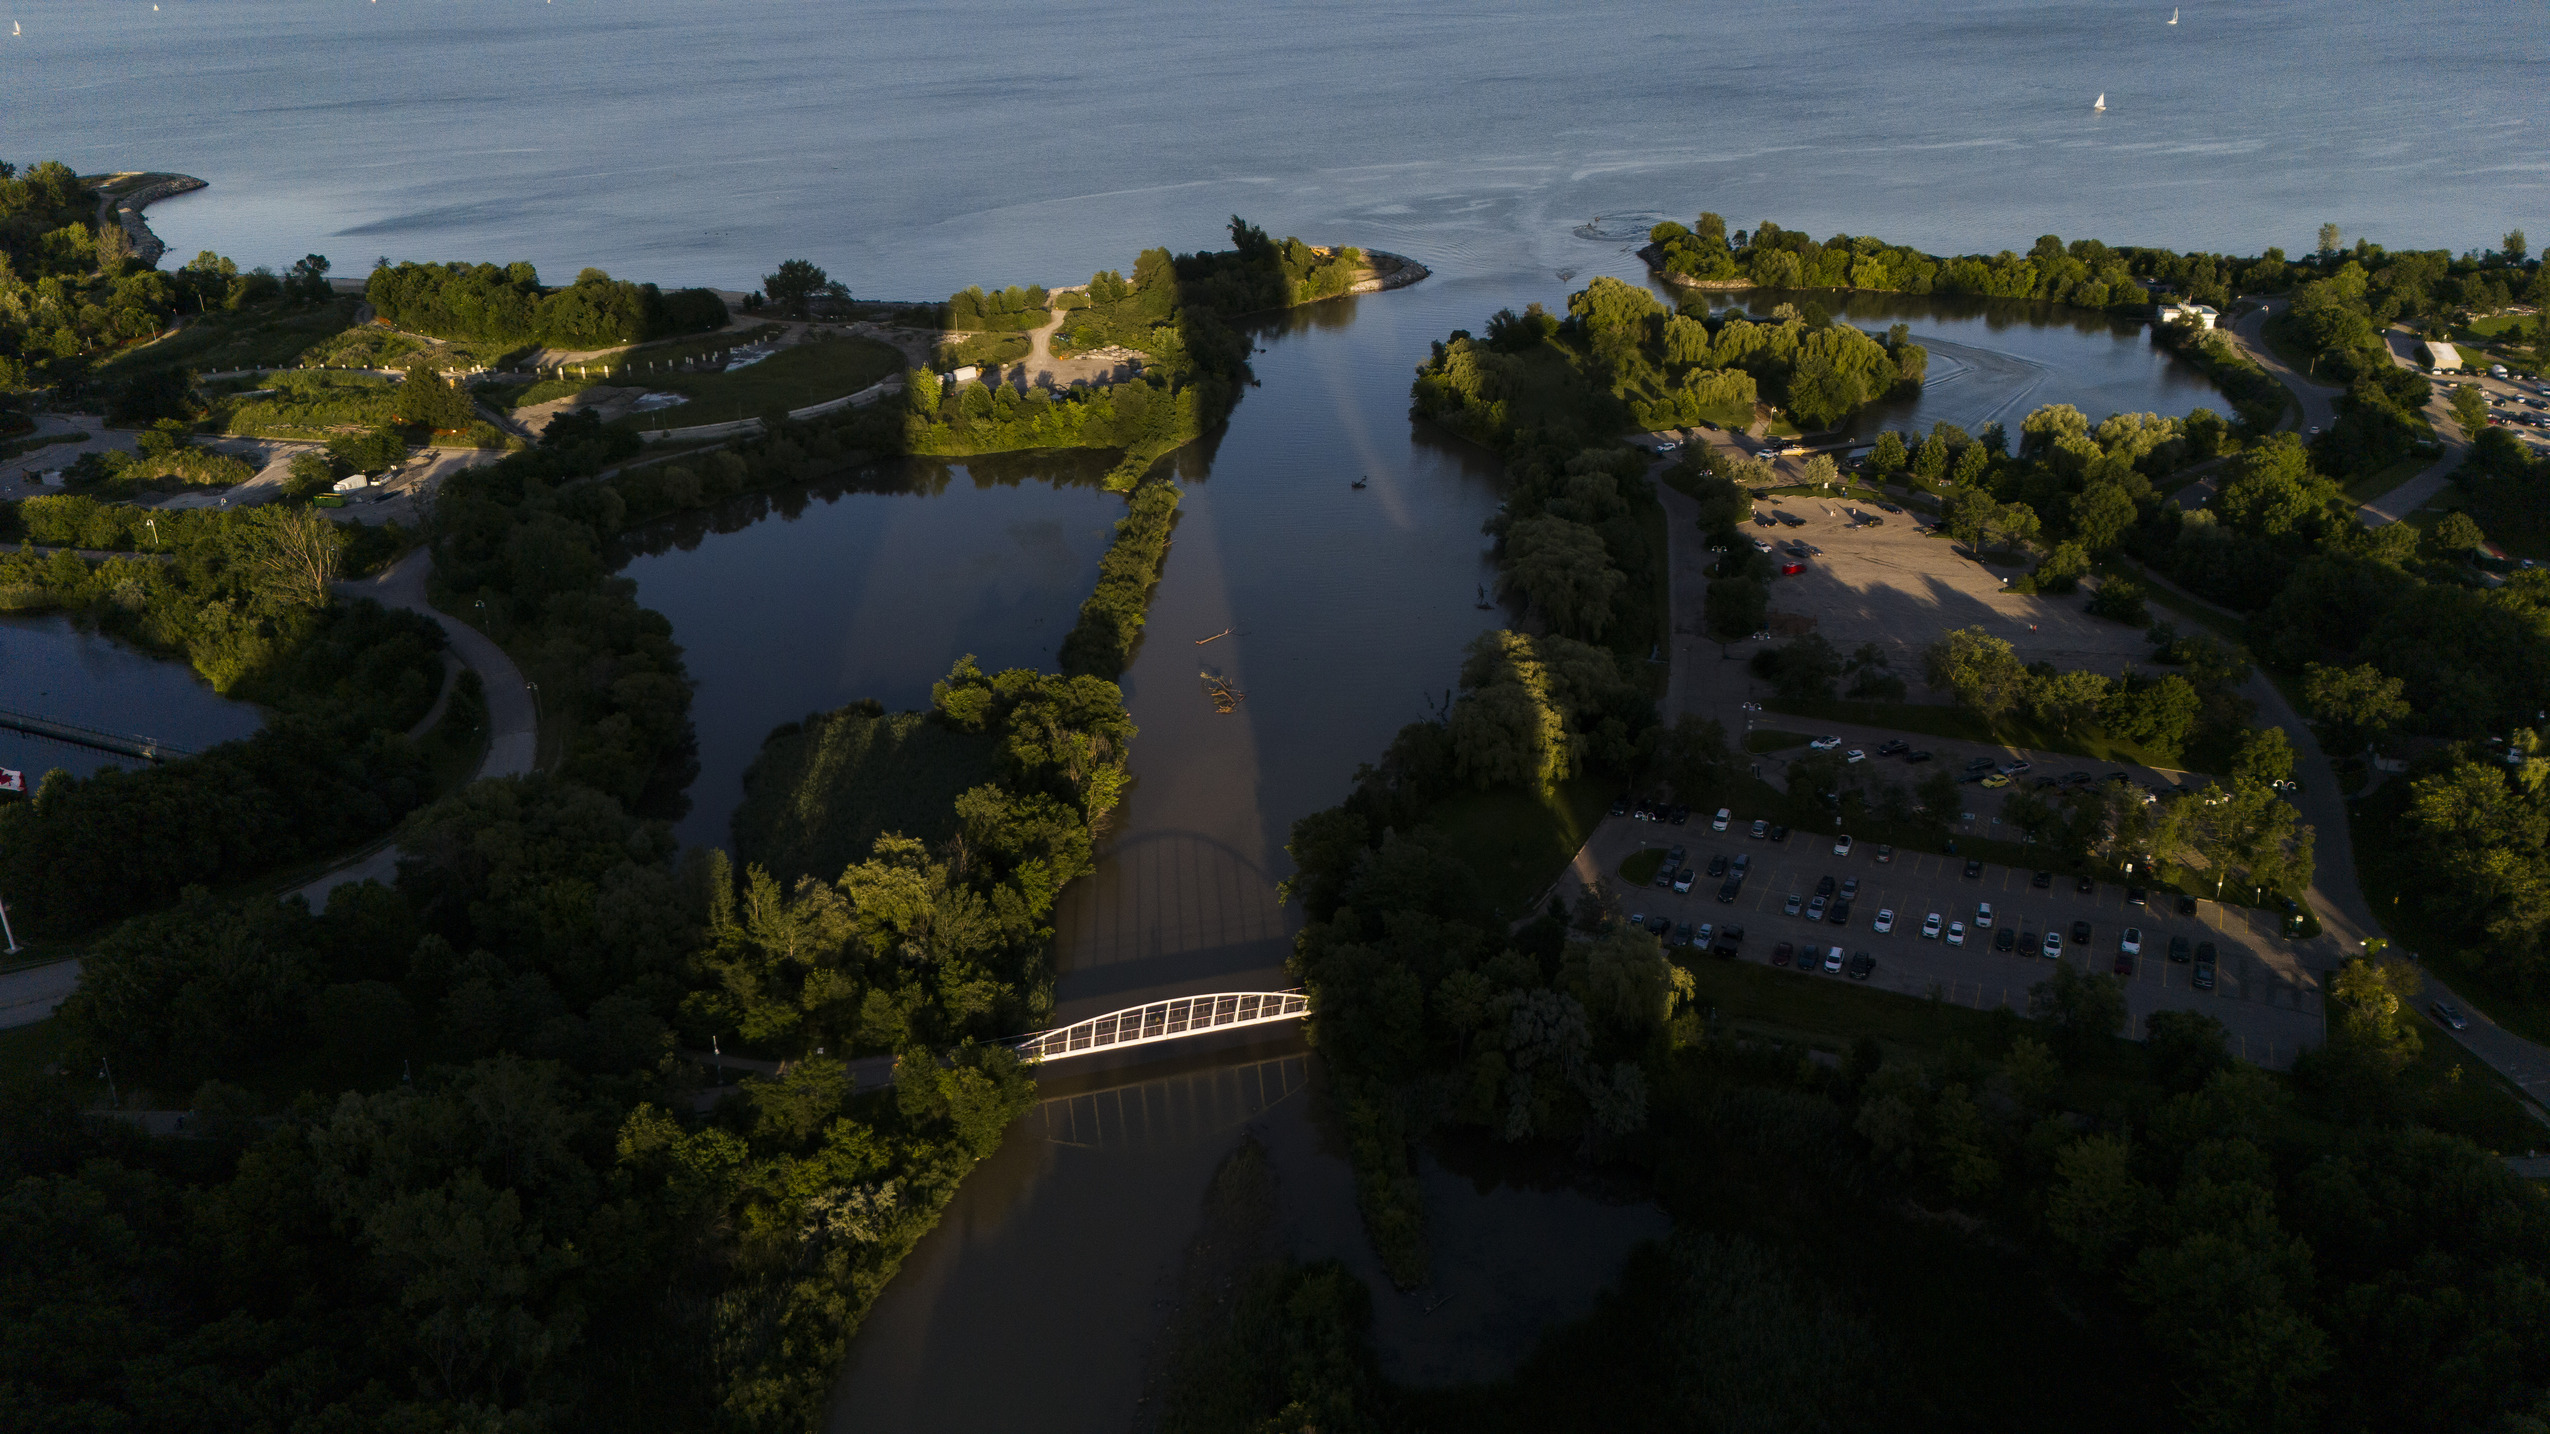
[[1170, 1020]]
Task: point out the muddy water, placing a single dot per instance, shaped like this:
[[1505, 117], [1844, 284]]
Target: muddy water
[[1346, 611], [50, 668]]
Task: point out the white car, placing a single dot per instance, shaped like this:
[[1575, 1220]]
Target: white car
[[1825, 744], [1719, 822], [2054, 946], [2132, 942], [1983, 916], [1854, 755], [1885, 925], [1842, 845], [1930, 927], [1833, 959], [1956, 933]]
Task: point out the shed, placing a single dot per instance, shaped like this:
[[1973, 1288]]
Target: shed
[[2441, 355], [354, 484]]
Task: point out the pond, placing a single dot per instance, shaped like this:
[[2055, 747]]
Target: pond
[[1343, 615], [52, 668]]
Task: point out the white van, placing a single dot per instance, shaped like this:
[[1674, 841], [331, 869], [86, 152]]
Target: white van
[[2496, 370]]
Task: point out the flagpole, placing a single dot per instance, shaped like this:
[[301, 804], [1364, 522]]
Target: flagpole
[[4, 928]]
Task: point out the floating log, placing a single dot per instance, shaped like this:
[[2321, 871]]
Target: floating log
[[1225, 696], [1226, 632]]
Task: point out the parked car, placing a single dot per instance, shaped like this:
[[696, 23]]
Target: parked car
[[1861, 964], [1892, 745], [1850, 888], [1815, 909], [1994, 779], [1682, 880], [1974, 868], [1792, 569], [1792, 905], [2205, 967], [1983, 916], [2004, 939], [1719, 822], [1855, 754], [1884, 925], [1956, 933], [1916, 756], [1620, 806], [1840, 914], [2042, 881], [1885, 853], [1666, 873], [2054, 946], [1743, 863], [1833, 959], [1980, 764], [1728, 941], [2086, 886], [1730, 889], [2186, 905], [2134, 896], [1682, 933], [1781, 953], [1825, 886], [2124, 962], [2018, 767], [1825, 744], [2080, 933], [1661, 925], [1678, 816], [1930, 927], [2179, 949], [2029, 945], [2450, 1015], [1717, 866], [2131, 943], [1704, 935], [1761, 829], [1842, 845], [1778, 832]]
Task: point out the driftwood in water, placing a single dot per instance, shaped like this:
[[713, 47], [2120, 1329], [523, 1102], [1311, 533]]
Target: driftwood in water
[[1225, 696], [1226, 632]]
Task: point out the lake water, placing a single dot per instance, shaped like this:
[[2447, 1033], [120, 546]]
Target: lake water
[[914, 148], [50, 668]]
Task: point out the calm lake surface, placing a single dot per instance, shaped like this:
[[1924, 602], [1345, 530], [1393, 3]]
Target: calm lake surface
[[914, 148], [50, 668]]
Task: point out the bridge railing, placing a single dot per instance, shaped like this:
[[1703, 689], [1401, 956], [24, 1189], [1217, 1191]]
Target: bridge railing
[[1169, 1020]]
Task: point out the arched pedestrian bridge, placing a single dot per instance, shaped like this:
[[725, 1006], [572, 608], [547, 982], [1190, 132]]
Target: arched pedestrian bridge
[[1170, 1020]]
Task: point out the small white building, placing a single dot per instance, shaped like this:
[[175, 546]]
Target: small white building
[[355, 484], [967, 374], [2442, 356], [2201, 315]]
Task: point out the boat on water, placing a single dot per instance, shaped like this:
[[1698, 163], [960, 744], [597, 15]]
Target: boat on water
[[2102, 102], [2173, 15]]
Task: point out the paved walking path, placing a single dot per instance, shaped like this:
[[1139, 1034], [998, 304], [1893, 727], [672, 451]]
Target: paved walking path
[[2417, 492], [513, 719]]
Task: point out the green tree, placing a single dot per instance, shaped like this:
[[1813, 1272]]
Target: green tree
[[2470, 410], [799, 283], [1888, 455], [2514, 246], [1566, 572], [2329, 234], [1807, 669], [2354, 705], [2081, 1012], [1982, 672], [434, 401]]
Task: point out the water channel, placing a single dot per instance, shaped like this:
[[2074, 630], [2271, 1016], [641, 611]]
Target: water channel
[[1036, 1298], [50, 667]]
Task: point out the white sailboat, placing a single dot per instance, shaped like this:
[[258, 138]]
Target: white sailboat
[[2101, 106], [2173, 15]]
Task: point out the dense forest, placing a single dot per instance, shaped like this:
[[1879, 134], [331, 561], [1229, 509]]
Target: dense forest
[[1621, 359], [507, 305]]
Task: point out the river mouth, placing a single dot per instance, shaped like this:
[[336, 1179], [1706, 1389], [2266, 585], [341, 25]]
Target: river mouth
[[1339, 613]]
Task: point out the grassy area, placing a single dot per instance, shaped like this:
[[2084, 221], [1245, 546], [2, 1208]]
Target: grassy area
[[792, 378], [981, 349], [695, 346], [1640, 868], [1828, 1013], [2465, 1097], [1518, 842], [821, 791], [309, 403], [1958, 724], [509, 398], [2369, 486], [269, 336], [28, 1050], [365, 346], [1769, 739]]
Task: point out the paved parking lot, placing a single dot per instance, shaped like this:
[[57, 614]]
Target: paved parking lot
[[2264, 996]]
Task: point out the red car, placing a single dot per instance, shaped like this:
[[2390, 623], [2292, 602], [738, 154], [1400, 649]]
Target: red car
[[1790, 570], [1781, 953]]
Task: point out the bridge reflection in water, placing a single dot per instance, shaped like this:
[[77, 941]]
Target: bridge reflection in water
[[1173, 1109]]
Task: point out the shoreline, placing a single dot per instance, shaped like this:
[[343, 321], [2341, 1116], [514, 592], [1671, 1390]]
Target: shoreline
[[122, 196]]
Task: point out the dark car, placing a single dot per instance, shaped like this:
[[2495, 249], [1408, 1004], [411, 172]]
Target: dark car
[[1620, 806], [2030, 944], [1778, 832], [2087, 886], [1665, 873], [2134, 896], [1892, 745], [1861, 964], [1916, 756], [2186, 905], [1682, 933], [1840, 914], [1850, 889], [1729, 889], [1676, 856], [2078, 779], [2004, 938], [1678, 816], [1825, 887], [1642, 811], [1728, 940], [2204, 966], [1718, 865], [2049, 780], [1661, 925], [1781, 953], [2178, 949], [2043, 880], [2124, 963], [2080, 933], [1981, 764], [1974, 867], [1743, 863]]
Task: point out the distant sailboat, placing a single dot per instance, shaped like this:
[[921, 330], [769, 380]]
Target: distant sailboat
[[2173, 15], [2102, 102]]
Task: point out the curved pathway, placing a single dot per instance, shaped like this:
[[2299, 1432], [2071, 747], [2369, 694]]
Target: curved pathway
[[513, 718], [2414, 494]]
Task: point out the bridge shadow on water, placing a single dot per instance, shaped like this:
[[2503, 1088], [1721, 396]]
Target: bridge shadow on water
[[1169, 913]]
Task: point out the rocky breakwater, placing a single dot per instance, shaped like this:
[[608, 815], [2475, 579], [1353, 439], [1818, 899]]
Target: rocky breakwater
[[121, 198], [1387, 271]]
